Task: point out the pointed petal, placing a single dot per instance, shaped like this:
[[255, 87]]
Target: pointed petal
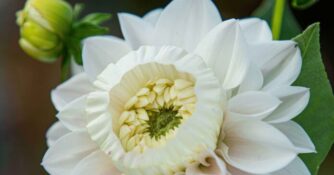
[[185, 28], [256, 147], [224, 50], [253, 80], [297, 136], [73, 88], [294, 100], [263, 53], [256, 30], [73, 114], [66, 153], [297, 166], [252, 104], [97, 163], [280, 62], [153, 16], [56, 131], [100, 51], [136, 31]]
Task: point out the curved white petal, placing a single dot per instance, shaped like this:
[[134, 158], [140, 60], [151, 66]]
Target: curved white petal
[[100, 51], [256, 147], [294, 100], [265, 53], [136, 31], [280, 62], [73, 115], [98, 117], [73, 88], [297, 136], [183, 23], [224, 49], [209, 164], [253, 80], [296, 167], [153, 16], [97, 163], [252, 104], [256, 30], [234, 171], [66, 153], [56, 131]]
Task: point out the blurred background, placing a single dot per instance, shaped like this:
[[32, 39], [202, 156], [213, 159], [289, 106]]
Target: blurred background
[[26, 111]]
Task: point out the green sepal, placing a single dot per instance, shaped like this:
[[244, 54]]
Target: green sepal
[[96, 18], [78, 8], [79, 32], [84, 30]]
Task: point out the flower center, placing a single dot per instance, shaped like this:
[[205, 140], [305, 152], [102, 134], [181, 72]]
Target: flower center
[[156, 111]]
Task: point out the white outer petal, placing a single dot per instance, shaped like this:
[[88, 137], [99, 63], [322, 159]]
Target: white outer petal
[[100, 51], [279, 61], [73, 88], [153, 16], [256, 30], [73, 115], [297, 136], [56, 131], [136, 31], [66, 153], [256, 147], [225, 50], [183, 23], [251, 105], [253, 80], [296, 167], [263, 53], [294, 101], [97, 163]]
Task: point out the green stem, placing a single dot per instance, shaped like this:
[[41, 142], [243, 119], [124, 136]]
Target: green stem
[[65, 66], [277, 18]]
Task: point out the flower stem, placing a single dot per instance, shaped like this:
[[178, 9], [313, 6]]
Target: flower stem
[[277, 18]]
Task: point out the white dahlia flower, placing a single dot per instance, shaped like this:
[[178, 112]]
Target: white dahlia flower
[[184, 93]]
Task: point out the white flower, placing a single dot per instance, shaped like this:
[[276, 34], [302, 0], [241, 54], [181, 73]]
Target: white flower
[[185, 93]]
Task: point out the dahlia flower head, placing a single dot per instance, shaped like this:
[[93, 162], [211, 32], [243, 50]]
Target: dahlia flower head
[[183, 93]]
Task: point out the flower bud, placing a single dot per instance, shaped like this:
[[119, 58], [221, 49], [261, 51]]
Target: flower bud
[[44, 25]]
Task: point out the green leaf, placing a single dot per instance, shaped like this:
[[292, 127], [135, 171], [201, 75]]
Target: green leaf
[[83, 30], [318, 117], [290, 26], [96, 18], [303, 4]]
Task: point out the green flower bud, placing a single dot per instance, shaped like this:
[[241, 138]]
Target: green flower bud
[[44, 25]]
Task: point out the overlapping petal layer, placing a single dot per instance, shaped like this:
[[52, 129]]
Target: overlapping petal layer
[[238, 70]]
